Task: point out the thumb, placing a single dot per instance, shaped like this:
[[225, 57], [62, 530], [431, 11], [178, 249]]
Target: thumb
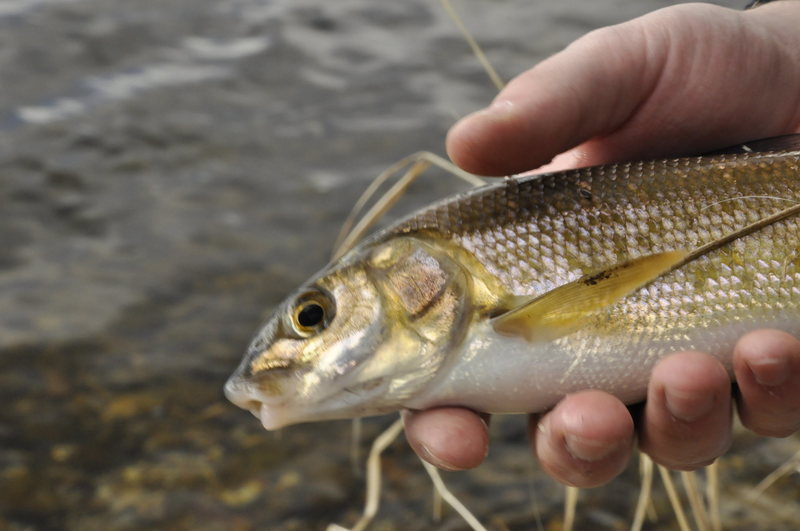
[[680, 80], [589, 89]]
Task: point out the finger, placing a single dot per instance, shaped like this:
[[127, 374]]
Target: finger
[[687, 416], [586, 440], [556, 105], [767, 367], [450, 438], [646, 88]]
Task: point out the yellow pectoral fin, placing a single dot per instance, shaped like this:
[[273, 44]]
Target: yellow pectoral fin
[[567, 308]]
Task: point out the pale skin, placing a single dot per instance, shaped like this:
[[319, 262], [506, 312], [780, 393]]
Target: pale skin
[[681, 80]]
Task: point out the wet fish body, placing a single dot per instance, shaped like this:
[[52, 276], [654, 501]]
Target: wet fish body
[[508, 297]]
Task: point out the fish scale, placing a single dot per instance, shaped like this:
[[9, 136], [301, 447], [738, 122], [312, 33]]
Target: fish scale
[[508, 297], [669, 195], [680, 203]]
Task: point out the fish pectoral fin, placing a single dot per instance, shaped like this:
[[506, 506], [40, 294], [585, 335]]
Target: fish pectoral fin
[[567, 308]]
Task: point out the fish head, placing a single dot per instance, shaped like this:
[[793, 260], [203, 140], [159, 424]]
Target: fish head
[[359, 339]]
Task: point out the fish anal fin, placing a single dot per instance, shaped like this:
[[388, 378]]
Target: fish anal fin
[[567, 308]]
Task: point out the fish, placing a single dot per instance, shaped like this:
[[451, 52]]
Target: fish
[[508, 297]]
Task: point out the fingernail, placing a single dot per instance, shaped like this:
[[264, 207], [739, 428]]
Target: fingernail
[[688, 406], [485, 427], [541, 428], [770, 372], [500, 106], [588, 449], [428, 456], [498, 111]]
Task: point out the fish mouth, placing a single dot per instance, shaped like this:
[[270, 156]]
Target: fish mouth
[[238, 392], [273, 417], [271, 413]]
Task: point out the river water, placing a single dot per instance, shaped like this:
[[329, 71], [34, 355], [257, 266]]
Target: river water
[[168, 172]]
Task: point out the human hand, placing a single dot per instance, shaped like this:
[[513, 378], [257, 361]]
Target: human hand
[[681, 80], [685, 423]]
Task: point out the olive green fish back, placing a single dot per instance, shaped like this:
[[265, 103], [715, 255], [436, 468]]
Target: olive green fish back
[[535, 233]]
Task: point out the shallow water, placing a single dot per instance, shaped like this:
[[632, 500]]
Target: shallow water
[[168, 172]]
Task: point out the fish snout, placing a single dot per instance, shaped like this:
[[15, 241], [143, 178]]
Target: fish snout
[[241, 392], [238, 391]]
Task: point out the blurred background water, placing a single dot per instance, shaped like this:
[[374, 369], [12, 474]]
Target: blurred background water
[[168, 172]]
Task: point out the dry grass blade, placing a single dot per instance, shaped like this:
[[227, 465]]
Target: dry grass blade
[[414, 165], [451, 500], [699, 512], [379, 208], [366, 195], [374, 474], [646, 473], [712, 495], [437, 505], [473, 44], [570, 506], [355, 445], [784, 470], [674, 500]]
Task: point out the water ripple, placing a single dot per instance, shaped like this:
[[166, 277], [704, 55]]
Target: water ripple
[[197, 59]]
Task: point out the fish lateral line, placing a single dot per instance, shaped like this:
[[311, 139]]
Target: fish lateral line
[[567, 308], [738, 234]]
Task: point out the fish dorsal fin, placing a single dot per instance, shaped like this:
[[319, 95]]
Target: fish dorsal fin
[[567, 308], [764, 145]]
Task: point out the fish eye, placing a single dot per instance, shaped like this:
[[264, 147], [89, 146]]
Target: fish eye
[[312, 313]]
